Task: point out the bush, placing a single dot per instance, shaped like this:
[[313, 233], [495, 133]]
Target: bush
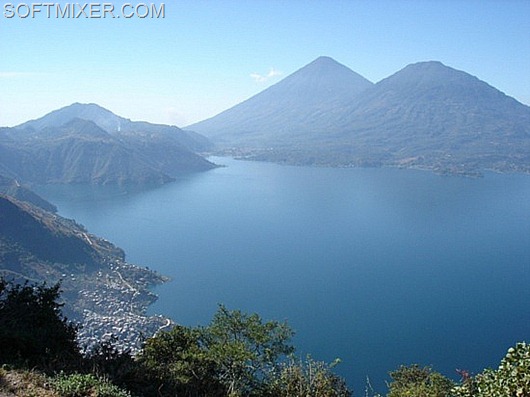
[[308, 378], [413, 381], [106, 360], [80, 385], [512, 378]]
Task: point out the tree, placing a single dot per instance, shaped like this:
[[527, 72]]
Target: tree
[[413, 381], [235, 355], [246, 350], [177, 362], [33, 331]]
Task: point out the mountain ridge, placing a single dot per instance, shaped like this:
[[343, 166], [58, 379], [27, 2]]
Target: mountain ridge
[[114, 125], [426, 115], [11, 187], [85, 143]]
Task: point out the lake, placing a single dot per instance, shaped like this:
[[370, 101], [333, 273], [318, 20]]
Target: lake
[[380, 267]]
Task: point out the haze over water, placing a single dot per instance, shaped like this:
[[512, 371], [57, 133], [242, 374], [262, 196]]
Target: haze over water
[[379, 267]]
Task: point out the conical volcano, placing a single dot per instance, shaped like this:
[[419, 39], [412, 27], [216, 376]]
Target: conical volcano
[[288, 108]]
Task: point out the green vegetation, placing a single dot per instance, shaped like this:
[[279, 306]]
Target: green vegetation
[[80, 385], [178, 363], [33, 332], [512, 378], [408, 381], [244, 349], [235, 355], [308, 378]]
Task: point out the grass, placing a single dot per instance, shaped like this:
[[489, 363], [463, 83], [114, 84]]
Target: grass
[[24, 383]]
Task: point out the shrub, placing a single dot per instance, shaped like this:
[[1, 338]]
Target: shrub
[[106, 360], [308, 378], [512, 378], [413, 381], [80, 385]]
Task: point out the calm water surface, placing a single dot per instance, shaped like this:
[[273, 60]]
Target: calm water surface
[[379, 267]]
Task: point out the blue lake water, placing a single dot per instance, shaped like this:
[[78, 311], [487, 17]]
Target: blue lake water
[[379, 267]]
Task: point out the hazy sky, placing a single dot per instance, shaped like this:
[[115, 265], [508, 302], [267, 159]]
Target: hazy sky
[[206, 56]]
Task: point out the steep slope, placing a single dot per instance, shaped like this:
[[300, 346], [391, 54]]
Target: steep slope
[[49, 237], [287, 109], [89, 144], [10, 187], [101, 290], [435, 99]]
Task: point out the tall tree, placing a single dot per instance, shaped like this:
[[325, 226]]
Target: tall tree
[[237, 354], [33, 331], [245, 349]]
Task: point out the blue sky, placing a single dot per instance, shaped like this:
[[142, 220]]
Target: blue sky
[[206, 56]]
